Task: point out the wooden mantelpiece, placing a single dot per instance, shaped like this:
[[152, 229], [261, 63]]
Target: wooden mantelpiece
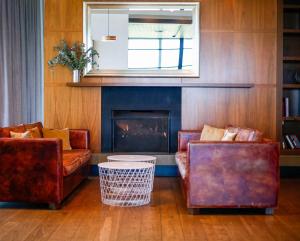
[[200, 85]]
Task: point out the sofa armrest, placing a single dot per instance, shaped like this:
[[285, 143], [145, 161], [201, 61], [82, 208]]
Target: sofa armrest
[[31, 170], [79, 138], [185, 136], [236, 174]]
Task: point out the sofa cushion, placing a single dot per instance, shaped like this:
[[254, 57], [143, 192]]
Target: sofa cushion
[[39, 125], [35, 132], [229, 136], [74, 159], [246, 134], [79, 138], [180, 158], [5, 131], [26, 134], [63, 134], [210, 133]]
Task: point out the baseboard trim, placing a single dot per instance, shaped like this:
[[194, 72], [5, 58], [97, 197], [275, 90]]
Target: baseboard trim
[[172, 171], [289, 172], [160, 170]]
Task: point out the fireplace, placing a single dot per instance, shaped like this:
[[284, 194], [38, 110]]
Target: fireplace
[[141, 131], [140, 119]]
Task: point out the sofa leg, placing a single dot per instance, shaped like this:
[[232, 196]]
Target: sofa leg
[[193, 211], [269, 211], [54, 206]]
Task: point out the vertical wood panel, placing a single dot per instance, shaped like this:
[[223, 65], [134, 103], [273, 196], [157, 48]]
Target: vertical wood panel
[[238, 45], [262, 110], [237, 58], [220, 107], [74, 108], [239, 15], [63, 15]]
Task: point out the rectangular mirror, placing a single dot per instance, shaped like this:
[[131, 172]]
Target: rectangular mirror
[[143, 39]]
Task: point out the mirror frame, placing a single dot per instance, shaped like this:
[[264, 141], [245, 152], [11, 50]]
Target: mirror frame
[[87, 6]]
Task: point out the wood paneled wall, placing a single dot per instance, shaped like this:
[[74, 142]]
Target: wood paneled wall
[[238, 44], [65, 106]]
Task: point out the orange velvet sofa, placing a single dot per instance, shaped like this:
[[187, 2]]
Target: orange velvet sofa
[[37, 170]]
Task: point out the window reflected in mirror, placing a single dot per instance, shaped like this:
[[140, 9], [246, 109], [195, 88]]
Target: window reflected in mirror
[[143, 39]]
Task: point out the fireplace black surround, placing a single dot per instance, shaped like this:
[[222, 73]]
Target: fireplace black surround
[[140, 119]]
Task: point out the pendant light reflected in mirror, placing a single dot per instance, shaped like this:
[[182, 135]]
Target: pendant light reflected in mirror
[[108, 37]]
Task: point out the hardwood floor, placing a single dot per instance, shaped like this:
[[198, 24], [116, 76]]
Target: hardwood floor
[[83, 217]]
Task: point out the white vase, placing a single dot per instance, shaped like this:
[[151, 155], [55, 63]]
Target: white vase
[[76, 76]]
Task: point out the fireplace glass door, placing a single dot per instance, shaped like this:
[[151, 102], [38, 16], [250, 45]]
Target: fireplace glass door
[[140, 131]]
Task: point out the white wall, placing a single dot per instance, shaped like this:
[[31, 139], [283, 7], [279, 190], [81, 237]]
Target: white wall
[[113, 55]]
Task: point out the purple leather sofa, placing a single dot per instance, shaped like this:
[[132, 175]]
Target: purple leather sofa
[[238, 174]]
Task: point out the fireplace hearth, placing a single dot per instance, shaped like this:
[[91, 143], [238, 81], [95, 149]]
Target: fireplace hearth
[[140, 119]]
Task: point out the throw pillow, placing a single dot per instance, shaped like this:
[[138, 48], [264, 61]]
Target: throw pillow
[[63, 134], [26, 134], [246, 134], [229, 136], [210, 133], [39, 125], [35, 132]]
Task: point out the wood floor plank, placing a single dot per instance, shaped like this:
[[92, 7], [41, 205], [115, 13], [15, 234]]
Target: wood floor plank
[[192, 225], [76, 214], [257, 228], [111, 224], [46, 228], [22, 225], [170, 222], [7, 214], [57, 218], [151, 229], [90, 229], [96, 214], [131, 219], [84, 218], [237, 231]]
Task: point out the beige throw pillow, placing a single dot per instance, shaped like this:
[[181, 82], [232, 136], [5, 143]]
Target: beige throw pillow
[[229, 136], [63, 134], [210, 133], [26, 134]]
